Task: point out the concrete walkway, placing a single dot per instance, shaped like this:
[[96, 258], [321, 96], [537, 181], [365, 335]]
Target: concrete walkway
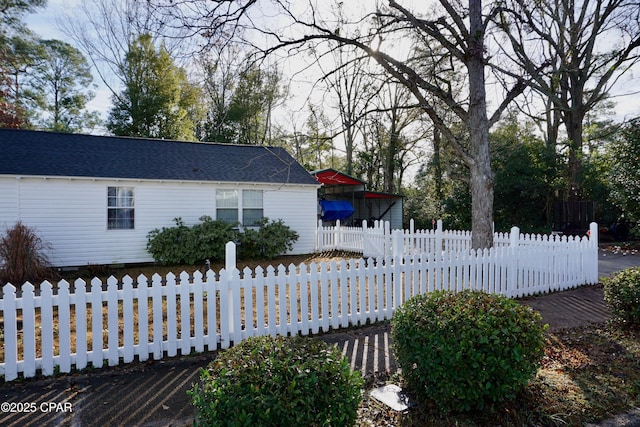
[[154, 393]]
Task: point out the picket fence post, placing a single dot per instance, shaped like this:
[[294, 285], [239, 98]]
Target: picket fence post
[[230, 266], [438, 243], [387, 237], [397, 243], [366, 240], [593, 262], [514, 237], [412, 235]]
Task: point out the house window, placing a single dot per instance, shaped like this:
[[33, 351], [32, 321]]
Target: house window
[[252, 211], [120, 208], [227, 205], [239, 206]]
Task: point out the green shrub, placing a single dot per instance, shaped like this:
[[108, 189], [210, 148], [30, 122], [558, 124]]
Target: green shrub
[[271, 239], [467, 350], [622, 295], [266, 381], [170, 245], [23, 257], [210, 238], [207, 240]]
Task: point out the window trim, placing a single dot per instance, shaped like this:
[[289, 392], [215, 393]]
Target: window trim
[[128, 221], [252, 207], [241, 206]]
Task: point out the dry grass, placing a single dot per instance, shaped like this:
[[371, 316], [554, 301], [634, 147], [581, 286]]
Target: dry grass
[[103, 273]]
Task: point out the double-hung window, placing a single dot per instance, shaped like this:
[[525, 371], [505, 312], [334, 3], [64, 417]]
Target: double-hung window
[[120, 208], [252, 210], [243, 206], [227, 205]]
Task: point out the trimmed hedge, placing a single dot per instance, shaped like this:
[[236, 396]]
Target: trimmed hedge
[[283, 381], [622, 295], [467, 350]]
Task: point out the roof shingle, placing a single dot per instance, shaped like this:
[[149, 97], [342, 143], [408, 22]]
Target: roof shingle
[[38, 153]]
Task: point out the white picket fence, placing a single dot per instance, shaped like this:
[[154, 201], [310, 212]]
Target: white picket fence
[[167, 316], [380, 240]]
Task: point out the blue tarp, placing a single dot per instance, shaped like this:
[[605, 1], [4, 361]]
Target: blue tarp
[[336, 209]]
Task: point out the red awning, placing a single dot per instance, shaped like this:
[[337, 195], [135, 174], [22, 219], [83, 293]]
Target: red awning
[[375, 195], [333, 177]]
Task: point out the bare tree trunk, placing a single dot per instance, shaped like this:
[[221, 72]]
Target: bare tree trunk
[[480, 159], [437, 167], [574, 133]]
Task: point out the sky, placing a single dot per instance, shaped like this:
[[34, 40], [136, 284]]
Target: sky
[[44, 24], [626, 93]]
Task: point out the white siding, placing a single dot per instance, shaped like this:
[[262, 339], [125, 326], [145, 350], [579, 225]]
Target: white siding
[[297, 208], [71, 214], [9, 202]]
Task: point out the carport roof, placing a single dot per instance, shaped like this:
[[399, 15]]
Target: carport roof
[[334, 177]]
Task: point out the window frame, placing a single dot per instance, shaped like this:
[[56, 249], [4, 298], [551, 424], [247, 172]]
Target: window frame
[[227, 205], [249, 206], [244, 206], [121, 208]]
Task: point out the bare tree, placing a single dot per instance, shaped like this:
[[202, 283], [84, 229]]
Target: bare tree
[[574, 51], [282, 26], [104, 31], [354, 87]]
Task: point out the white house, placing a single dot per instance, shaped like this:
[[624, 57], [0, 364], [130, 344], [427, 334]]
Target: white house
[[95, 198]]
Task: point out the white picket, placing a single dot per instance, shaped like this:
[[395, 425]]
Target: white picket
[[142, 292], [64, 327], [295, 300], [198, 313], [127, 311], [10, 331], [80, 304], [292, 292], [281, 281], [258, 284], [172, 321], [157, 326], [185, 313], [334, 311], [225, 308], [46, 313], [314, 298], [97, 340], [112, 321], [304, 299], [271, 300]]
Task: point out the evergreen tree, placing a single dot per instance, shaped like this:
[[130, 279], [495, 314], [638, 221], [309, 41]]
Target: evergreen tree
[[59, 84], [16, 54], [158, 101]]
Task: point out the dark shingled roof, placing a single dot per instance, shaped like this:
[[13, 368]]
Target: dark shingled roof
[[37, 153]]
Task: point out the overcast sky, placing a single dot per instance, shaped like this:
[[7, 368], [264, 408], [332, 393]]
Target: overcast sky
[[626, 93]]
